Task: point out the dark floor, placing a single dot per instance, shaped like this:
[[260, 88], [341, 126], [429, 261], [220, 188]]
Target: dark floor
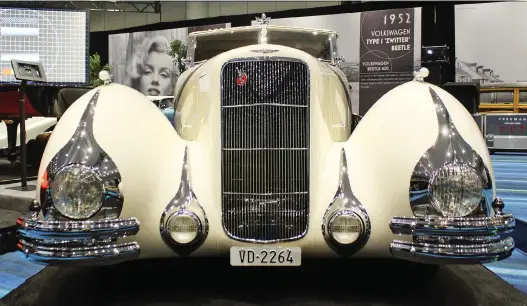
[[195, 283], [9, 172]]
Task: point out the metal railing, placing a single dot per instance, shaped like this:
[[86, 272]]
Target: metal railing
[[503, 98]]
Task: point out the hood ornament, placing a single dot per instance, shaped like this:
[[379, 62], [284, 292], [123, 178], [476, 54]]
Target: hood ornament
[[263, 20], [105, 76], [421, 74]]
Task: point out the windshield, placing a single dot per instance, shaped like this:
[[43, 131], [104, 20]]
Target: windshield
[[208, 46]]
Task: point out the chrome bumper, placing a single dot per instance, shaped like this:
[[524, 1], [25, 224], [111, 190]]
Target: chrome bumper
[[453, 240], [77, 242]]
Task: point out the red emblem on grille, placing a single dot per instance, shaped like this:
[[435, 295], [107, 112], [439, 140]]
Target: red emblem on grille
[[242, 77]]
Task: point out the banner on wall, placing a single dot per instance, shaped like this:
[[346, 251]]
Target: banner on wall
[[141, 60], [386, 53]]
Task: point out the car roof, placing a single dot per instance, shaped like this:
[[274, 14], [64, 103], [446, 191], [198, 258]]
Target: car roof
[[257, 27]]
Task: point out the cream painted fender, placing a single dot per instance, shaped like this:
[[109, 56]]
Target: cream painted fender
[[144, 146], [387, 144]]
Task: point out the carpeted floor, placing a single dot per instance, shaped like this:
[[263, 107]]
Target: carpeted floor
[[511, 181], [510, 171]]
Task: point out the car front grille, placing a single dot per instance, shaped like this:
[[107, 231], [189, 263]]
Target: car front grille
[[265, 149]]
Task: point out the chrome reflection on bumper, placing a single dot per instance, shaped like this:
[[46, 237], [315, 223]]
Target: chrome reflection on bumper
[[77, 242], [453, 240]]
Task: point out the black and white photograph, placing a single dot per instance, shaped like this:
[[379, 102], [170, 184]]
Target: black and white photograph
[[143, 60], [348, 27], [490, 43]]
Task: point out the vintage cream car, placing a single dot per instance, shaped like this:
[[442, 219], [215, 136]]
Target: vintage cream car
[[266, 166]]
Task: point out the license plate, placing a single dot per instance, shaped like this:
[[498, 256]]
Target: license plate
[[266, 256]]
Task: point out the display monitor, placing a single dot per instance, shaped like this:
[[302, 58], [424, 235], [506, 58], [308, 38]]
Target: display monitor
[[58, 39]]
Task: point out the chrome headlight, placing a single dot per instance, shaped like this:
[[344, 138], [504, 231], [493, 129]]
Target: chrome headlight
[[450, 179], [346, 227], [455, 189], [81, 181], [183, 227], [76, 191]]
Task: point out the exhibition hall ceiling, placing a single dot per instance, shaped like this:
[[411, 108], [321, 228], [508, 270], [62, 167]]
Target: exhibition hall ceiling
[[110, 15], [132, 6]]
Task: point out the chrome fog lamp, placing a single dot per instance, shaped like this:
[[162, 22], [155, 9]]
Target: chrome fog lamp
[[183, 227], [346, 227], [455, 189], [76, 191], [346, 224]]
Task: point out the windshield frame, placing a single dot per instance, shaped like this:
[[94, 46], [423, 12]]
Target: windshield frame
[[332, 36]]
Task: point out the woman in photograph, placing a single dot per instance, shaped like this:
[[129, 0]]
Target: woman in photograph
[[151, 69]]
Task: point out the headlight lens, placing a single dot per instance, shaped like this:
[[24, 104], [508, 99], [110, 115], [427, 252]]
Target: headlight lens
[[76, 192], [456, 190], [346, 228], [183, 228]]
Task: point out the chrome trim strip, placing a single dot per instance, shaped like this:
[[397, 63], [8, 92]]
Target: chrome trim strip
[[452, 253], [274, 193], [252, 202], [83, 149], [32, 228], [449, 147], [345, 200], [264, 104], [77, 242], [184, 202], [479, 226], [266, 149], [87, 255]]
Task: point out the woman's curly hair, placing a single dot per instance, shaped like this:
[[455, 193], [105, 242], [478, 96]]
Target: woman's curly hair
[[135, 67]]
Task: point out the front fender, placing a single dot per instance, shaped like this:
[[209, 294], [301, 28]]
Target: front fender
[[389, 141], [144, 146]]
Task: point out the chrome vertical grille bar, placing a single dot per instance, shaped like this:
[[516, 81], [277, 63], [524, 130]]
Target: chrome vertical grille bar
[[265, 150]]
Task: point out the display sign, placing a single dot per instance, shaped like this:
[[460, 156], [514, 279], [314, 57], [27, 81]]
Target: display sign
[[505, 127], [386, 53], [55, 38]]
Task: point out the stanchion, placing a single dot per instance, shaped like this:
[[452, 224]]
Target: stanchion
[[23, 148], [24, 72]]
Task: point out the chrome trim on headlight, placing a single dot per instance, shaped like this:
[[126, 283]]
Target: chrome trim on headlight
[[77, 242], [84, 150], [475, 235], [449, 148], [345, 202], [184, 202]]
